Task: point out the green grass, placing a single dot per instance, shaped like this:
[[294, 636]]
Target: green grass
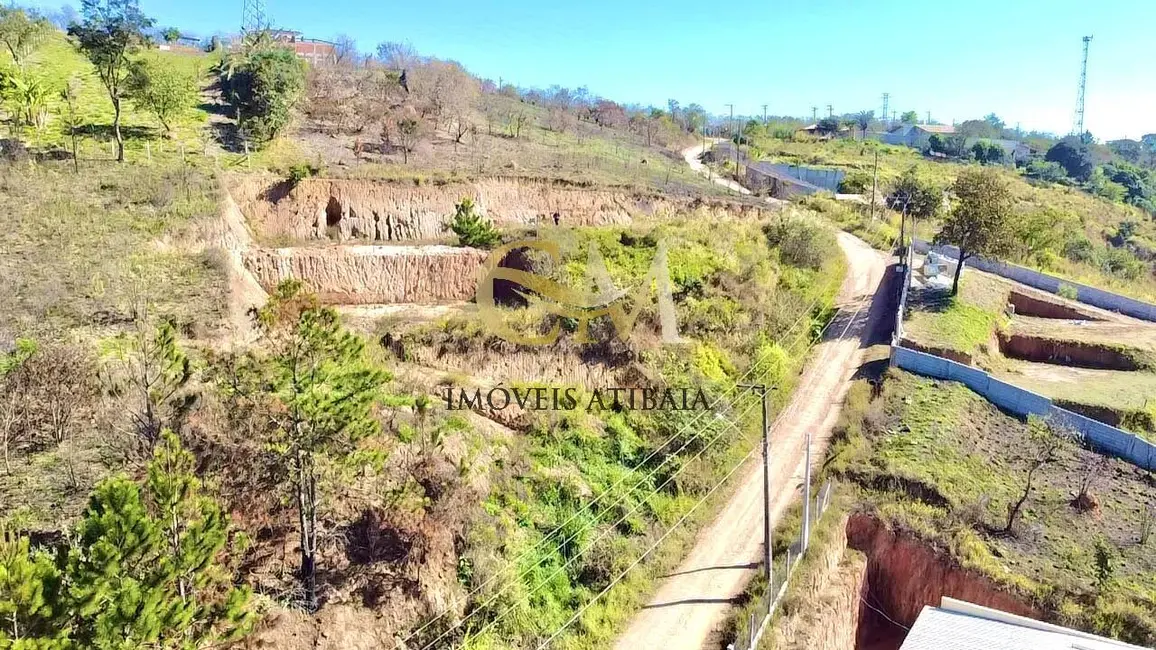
[[57, 61], [940, 462], [965, 323]]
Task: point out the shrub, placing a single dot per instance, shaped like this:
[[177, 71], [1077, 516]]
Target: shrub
[[300, 172], [800, 244], [162, 89], [472, 229], [1068, 291], [1043, 170], [856, 182]]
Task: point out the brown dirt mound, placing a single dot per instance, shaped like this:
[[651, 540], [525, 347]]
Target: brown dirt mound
[[1067, 353]]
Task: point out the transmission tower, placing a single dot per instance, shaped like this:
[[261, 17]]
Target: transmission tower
[[886, 100], [253, 18], [1078, 122]]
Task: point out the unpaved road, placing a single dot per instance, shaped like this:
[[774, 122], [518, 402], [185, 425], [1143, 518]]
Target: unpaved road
[[691, 156], [693, 601]]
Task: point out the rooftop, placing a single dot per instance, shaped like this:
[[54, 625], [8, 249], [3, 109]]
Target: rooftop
[[959, 625]]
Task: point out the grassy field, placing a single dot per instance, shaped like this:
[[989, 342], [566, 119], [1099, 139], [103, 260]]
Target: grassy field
[[57, 61], [966, 323], [1069, 211], [82, 250], [941, 463]]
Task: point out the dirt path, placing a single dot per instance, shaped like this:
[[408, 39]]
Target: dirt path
[[693, 601], [691, 156]]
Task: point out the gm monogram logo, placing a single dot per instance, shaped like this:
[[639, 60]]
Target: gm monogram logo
[[578, 304]]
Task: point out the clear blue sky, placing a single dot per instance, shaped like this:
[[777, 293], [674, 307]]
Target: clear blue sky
[[959, 60]]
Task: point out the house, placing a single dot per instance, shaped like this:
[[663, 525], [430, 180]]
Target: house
[[315, 51], [960, 625], [1014, 151], [815, 131], [917, 136]]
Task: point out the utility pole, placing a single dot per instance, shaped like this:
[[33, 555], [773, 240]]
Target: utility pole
[[761, 391], [737, 140], [874, 183], [814, 114], [830, 111], [764, 116], [928, 118]]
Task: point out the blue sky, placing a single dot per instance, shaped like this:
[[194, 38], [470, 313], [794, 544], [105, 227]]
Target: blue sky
[[959, 60]]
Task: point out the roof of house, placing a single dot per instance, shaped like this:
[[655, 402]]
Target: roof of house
[[936, 128], [959, 625]]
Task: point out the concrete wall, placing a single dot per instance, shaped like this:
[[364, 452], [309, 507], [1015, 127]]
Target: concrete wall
[[1085, 294], [1104, 438], [827, 179]]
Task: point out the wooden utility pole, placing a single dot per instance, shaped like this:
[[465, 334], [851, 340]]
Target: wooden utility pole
[[874, 183], [761, 391]]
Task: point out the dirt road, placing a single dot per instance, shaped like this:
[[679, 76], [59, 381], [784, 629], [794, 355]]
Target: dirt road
[[693, 601], [691, 156]]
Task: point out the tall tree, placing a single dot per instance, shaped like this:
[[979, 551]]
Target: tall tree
[[162, 89], [981, 221], [111, 32], [909, 117], [1075, 156], [863, 120], [323, 388]]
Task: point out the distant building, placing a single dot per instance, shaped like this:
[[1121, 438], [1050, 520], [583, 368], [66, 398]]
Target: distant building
[[1014, 150], [315, 51], [916, 136], [959, 625], [814, 130]]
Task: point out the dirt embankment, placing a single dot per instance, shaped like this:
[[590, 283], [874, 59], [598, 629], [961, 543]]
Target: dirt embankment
[[947, 353], [1027, 305], [1070, 353], [359, 275], [904, 575], [320, 209], [827, 601]]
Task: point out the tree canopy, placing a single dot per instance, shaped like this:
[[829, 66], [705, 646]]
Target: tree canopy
[[1075, 156], [981, 220]]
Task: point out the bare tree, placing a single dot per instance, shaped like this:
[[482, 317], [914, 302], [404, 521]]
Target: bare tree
[[1147, 521], [442, 89], [1044, 447], [397, 56], [559, 120], [62, 396], [404, 130], [344, 50], [515, 121], [1093, 468], [14, 385]]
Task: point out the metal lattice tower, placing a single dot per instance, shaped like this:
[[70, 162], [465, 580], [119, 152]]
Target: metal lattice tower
[[1078, 122], [253, 18], [886, 100]]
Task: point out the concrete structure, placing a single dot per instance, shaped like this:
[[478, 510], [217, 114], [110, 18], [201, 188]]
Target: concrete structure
[[960, 625], [315, 51], [1050, 283], [917, 136]]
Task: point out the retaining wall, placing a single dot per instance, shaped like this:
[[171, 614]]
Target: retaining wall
[[1104, 438], [1084, 293]]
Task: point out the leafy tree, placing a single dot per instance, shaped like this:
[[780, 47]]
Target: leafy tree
[[162, 89], [909, 117], [695, 116], [994, 121], [828, 125], [471, 228], [1075, 157], [915, 195], [112, 32], [22, 33], [1138, 184], [1100, 185], [321, 388], [980, 223], [263, 82], [987, 152], [171, 34], [977, 129]]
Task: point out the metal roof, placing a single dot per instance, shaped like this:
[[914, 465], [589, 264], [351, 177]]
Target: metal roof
[[958, 625]]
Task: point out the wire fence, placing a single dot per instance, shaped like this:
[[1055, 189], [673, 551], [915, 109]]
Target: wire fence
[[769, 600]]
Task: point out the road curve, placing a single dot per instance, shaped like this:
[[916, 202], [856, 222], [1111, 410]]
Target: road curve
[[692, 603]]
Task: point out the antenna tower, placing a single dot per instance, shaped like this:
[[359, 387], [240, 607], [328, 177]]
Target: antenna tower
[[886, 100], [1078, 122], [253, 18]]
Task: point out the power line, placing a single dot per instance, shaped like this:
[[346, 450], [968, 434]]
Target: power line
[[682, 519], [618, 483]]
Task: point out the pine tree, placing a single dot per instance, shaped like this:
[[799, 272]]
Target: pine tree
[[30, 602], [471, 228], [145, 568], [323, 389]]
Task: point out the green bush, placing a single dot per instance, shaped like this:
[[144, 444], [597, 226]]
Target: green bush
[[263, 83], [1068, 291], [801, 244], [300, 172], [1043, 170], [918, 195], [472, 229], [857, 181]]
